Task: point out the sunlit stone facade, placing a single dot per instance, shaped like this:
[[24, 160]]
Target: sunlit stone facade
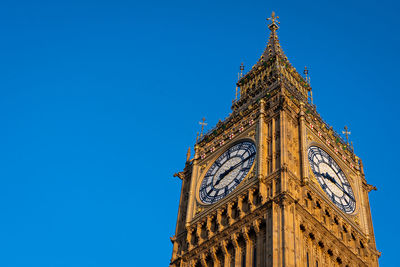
[[278, 206]]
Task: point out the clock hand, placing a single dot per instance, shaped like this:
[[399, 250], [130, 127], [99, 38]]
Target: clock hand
[[349, 196], [225, 173], [344, 191], [333, 180], [236, 165], [327, 176]]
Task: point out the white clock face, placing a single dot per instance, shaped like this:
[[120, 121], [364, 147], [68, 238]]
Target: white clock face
[[227, 172], [332, 179]]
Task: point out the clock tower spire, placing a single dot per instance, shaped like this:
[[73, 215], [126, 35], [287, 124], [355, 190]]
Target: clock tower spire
[[273, 184], [273, 68]]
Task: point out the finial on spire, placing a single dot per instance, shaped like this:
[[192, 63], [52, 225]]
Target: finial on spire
[[240, 75], [347, 133], [308, 81], [203, 123], [274, 22], [241, 70], [306, 73]]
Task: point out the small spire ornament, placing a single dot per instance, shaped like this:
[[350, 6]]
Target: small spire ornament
[[347, 133], [308, 81], [188, 155], [274, 21], [306, 74], [240, 75], [202, 123]]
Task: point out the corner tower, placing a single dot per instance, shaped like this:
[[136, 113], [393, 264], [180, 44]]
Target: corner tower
[[273, 184]]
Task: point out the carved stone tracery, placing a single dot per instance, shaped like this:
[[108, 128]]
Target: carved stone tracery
[[277, 210]]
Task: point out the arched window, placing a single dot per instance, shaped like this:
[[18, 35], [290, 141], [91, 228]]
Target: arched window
[[244, 255]]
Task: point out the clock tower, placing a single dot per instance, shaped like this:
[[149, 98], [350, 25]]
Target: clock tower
[[273, 184]]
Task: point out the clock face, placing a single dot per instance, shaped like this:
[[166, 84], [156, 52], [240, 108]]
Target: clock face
[[226, 173], [332, 179]]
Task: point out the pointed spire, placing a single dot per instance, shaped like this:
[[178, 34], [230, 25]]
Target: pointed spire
[[273, 48], [279, 69], [188, 155]]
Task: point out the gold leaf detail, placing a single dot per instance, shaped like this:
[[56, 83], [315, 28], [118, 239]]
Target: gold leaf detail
[[252, 133]]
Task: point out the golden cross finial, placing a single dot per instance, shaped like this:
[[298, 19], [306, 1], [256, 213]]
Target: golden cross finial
[[308, 81], [240, 75], [306, 72], [203, 123], [241, 70], [346, 132], [273, 19]]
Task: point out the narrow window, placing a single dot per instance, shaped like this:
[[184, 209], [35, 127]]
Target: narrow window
[[254, 255], [244, 257], [316, 263], [263, 256], [308, 261], [233, 258]]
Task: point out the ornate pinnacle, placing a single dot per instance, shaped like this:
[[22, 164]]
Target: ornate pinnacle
[[188, 155], [273, 47], [203, 123], [347, 133], [274, 22]]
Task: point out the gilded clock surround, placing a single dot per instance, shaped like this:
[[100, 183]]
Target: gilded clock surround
[[278, 215], [349, 172], [341, 169], [209, 162]]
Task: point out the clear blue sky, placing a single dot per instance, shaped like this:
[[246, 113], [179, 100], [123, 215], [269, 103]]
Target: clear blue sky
[[99, 101]]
